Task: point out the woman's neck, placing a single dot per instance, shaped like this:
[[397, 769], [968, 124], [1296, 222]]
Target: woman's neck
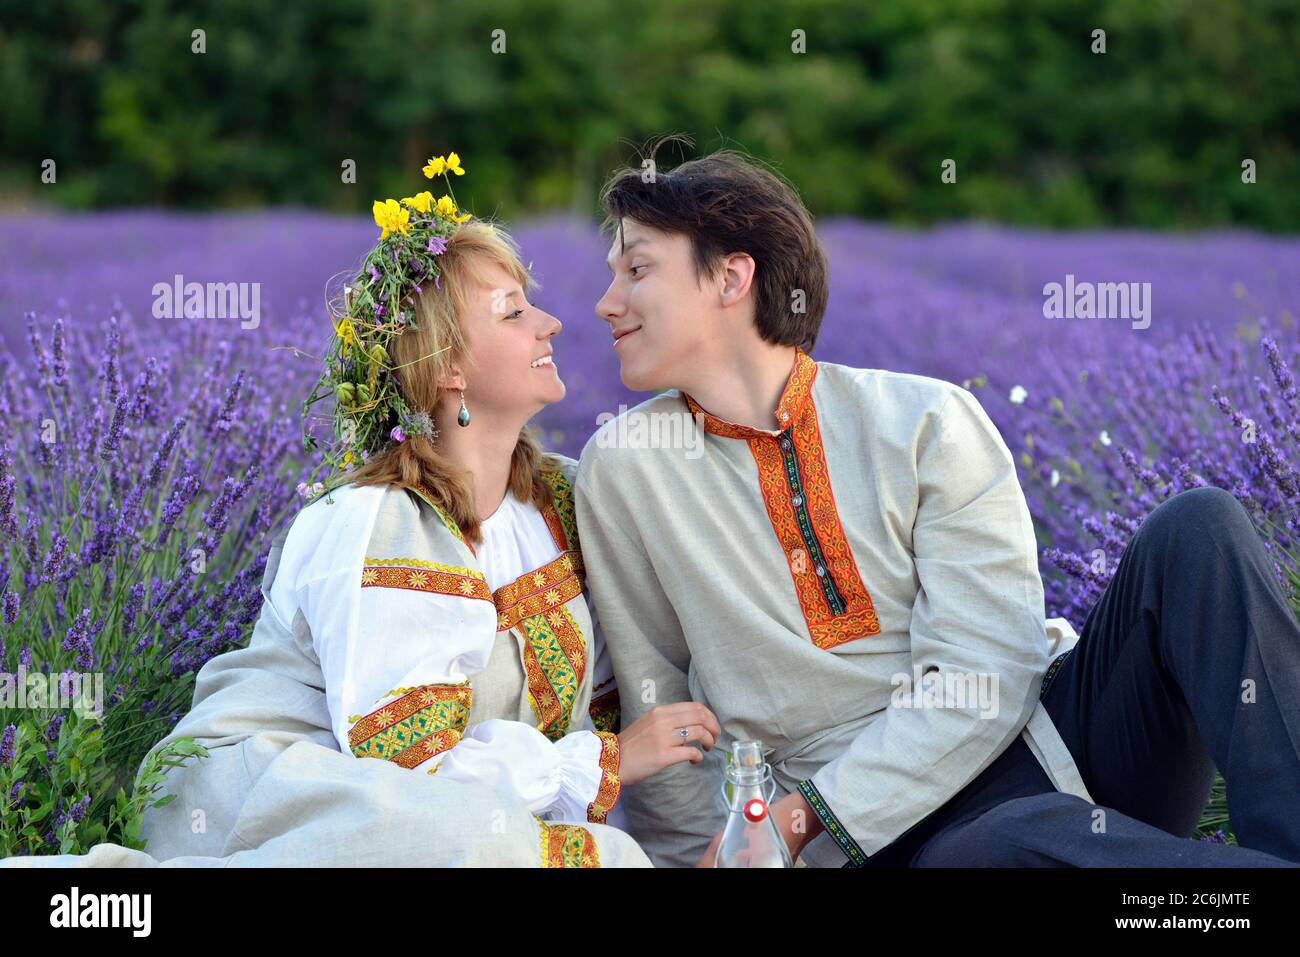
[[485, 448]]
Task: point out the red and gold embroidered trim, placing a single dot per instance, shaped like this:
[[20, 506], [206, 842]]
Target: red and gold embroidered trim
[[537, 592], [555, 659], [607, 793], [561, 515], [859, 617], [424, 722], [605, 711], [417, 575], [567, 845], [554, 650], [787, 496], [795, 398]]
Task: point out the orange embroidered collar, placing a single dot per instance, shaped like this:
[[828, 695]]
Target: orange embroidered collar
[[795, 399]]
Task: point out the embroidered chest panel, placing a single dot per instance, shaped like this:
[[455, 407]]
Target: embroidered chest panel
[[796, 489], [553, 648]]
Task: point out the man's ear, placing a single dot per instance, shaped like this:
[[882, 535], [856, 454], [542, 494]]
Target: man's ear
[[737, 277]]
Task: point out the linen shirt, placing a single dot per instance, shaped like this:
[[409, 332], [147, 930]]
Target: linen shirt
[[797, 581]]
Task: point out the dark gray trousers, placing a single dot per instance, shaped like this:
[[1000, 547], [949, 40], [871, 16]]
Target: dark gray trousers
[[1189, 660]]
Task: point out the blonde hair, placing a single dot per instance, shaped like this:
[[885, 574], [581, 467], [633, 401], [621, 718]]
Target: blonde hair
[[433, 347]]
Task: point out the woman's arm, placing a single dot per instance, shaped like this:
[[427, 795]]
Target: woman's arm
[[398, 643]]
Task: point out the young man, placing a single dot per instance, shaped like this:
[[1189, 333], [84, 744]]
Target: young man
[[845, 568]]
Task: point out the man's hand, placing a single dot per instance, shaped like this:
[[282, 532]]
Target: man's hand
[[788, 813], [710, 856]]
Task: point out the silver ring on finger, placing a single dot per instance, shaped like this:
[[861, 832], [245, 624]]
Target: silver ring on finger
[[684, 732]]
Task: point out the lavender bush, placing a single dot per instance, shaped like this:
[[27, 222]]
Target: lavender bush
[[146, 462], [138, 485]]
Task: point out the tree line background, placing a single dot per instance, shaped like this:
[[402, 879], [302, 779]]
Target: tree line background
[[1043, 131]]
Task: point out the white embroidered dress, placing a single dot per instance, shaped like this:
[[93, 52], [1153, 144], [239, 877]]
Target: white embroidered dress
[[478, 664]]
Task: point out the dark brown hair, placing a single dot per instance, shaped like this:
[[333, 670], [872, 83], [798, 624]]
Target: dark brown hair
[[726, 203]]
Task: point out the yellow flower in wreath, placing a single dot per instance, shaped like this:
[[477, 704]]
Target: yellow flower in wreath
[[391, 218], [420, 202], [346, 334]]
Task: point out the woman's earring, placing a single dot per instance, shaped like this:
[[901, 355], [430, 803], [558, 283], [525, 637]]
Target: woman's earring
[[463, 418]]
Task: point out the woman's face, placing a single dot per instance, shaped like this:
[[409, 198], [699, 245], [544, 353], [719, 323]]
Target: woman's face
[[510, 372]]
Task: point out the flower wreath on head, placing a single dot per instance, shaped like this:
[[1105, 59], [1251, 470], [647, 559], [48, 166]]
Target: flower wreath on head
[[370, 413]]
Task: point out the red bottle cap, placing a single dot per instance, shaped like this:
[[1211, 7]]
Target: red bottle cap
[[755, 810]]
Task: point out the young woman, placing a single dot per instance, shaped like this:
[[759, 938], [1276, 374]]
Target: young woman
[[443, 582]]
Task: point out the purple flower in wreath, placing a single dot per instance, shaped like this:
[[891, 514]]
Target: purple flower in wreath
[[437, 245], [397, 435]]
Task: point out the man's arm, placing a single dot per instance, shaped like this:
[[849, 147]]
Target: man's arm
[[674, 813], [978, 619]]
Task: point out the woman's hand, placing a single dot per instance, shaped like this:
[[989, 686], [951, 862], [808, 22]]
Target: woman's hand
[[653, 741]]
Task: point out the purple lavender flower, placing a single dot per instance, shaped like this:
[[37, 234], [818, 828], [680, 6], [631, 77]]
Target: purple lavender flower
[[78, 640], [114, 437], [52, 729], [437, 245], [397, 435], [78, 810], [59, 365], [8, 509], [53, 563], [7, 745], [131, 607]]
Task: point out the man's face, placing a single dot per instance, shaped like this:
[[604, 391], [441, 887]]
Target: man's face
[[662, 317]]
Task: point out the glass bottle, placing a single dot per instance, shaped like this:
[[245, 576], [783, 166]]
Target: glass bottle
[[751, 838]]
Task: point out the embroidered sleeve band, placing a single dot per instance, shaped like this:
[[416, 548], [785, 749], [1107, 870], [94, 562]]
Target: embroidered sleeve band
[[607, 794]]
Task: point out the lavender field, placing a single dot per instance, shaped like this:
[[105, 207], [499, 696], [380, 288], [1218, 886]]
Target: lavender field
[[145, 462]]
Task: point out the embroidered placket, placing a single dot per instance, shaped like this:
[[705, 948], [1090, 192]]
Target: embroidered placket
[[795, 484], [834, 600]]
